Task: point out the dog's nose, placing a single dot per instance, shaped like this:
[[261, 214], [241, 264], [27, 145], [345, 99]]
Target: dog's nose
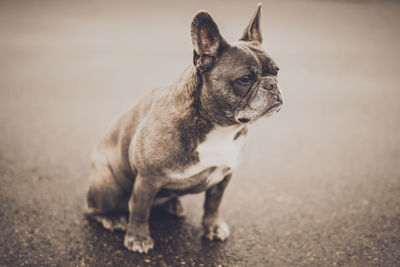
[[279, 98], [269, 84]]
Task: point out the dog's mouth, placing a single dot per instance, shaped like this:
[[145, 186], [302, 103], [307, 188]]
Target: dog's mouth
[[276, 107]]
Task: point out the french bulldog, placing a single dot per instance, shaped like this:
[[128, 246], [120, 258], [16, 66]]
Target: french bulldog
[[186, 137]]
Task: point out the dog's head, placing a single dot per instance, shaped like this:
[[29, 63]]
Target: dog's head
[[239, 80]]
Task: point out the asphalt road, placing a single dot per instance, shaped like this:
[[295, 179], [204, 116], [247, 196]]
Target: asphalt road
[[319, 183]]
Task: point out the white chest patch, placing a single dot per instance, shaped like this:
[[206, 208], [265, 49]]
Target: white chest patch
[[219, 149]]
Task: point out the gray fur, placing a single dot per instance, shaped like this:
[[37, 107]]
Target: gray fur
[[160, 135]]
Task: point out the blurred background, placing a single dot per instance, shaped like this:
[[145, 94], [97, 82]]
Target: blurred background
[[319, 182]]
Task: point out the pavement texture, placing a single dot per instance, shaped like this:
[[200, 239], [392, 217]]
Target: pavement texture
[[319, 182]]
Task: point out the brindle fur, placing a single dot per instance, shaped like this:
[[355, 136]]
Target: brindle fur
[[159, 135]]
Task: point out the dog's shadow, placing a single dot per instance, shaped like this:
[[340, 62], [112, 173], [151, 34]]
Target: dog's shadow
[[177, 242]]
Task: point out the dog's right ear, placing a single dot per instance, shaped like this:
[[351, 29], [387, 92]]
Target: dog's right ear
[[207, 41], [253, 30]]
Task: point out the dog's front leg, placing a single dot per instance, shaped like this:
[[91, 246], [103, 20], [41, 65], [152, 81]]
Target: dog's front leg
[[137, 237], [214, 226]]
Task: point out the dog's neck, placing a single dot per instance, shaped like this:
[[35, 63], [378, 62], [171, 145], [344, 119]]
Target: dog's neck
[[187, 91], [186, 86]]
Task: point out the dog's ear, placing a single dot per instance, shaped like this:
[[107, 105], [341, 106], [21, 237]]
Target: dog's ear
[[253, 30], [207, 41]]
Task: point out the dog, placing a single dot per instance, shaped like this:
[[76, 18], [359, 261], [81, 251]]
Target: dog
[[186, 137]]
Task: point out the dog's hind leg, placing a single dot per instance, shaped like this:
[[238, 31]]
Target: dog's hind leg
[[169, 203], [111, 216], [173, 207], [106, 201]]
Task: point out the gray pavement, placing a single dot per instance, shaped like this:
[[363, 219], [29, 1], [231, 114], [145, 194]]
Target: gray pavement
[[319, 183]]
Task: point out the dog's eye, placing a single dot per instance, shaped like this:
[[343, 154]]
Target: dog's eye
[[245, 80]]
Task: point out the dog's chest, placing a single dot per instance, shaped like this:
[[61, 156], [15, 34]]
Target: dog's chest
[[221, 149]]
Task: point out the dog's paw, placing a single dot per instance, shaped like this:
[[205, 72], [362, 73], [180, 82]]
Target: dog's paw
[[110, 222], [141, 243], [218, 231], [115, 224]]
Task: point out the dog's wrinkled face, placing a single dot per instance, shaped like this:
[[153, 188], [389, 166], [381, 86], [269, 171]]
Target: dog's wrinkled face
[[239, 80], [242, 86]]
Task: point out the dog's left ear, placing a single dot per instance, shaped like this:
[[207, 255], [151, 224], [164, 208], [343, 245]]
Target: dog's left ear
[[253, 30], [207, 41]]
